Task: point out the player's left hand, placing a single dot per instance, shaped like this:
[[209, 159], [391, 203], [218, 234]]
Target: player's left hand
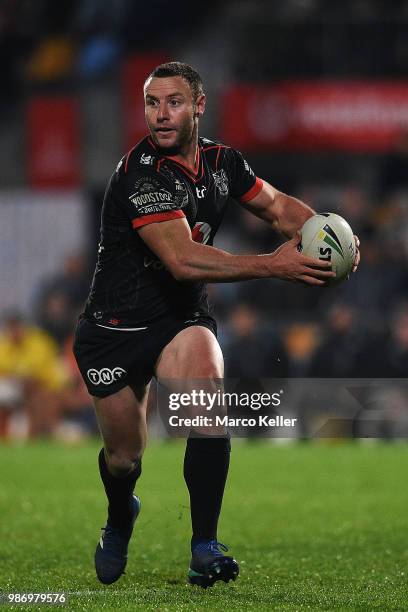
[[357, 257]]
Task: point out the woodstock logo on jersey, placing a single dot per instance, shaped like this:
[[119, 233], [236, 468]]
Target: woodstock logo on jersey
[[201, 232]]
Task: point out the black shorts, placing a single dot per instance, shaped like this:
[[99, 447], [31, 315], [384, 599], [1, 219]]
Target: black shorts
[[110, 358]]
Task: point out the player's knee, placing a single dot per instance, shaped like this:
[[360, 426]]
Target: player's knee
[[211, 371], [120, 464]]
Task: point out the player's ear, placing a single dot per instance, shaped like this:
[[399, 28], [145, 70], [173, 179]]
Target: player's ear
[[200, 105]]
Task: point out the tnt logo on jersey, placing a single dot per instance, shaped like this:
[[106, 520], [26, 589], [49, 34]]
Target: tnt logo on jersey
[[221, 182], [201, 233], [105, 376]]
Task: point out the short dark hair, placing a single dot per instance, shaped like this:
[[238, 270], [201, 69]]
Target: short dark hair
[[185, 71]]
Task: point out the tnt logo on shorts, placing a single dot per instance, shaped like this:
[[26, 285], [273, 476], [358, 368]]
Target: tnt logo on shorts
[[105, 376]]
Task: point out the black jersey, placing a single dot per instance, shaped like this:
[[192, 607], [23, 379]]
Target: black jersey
[[131, 287]]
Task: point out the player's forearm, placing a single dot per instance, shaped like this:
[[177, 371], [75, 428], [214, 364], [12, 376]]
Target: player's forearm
[[291, 214], [284, 213], [209, 264]]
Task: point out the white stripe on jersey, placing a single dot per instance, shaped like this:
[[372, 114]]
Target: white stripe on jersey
[[122, 328]]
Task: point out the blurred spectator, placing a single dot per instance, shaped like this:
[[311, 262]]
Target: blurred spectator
[[78, 408], [385, 354], [98, 56], [336, 355], [253, 351], [32, 376], [61, 297], [379, 281], [356, 208], [57, 316], [52, 59], [98, 28], [301, 339]]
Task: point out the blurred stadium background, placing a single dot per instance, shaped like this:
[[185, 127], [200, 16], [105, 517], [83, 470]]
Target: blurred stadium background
[[314, 94]]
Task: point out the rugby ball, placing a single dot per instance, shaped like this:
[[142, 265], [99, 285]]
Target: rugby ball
[[328, 237]]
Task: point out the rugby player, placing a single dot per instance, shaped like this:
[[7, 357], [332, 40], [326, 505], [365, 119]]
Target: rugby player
[[147, 314]]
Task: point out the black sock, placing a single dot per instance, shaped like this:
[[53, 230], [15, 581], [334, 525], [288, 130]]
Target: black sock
[[119, 492], [206, 464]]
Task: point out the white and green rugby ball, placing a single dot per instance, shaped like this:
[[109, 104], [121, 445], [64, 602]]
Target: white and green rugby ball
[[328, 237]]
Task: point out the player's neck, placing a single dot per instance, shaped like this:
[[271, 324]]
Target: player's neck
[[188, 155]]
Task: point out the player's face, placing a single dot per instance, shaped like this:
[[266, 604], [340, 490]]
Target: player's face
[[171, 113]]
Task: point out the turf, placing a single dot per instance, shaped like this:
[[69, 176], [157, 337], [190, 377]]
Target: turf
[[314, 527]]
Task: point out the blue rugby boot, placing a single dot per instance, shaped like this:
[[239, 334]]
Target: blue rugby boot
[[209, 564], [111, 551]]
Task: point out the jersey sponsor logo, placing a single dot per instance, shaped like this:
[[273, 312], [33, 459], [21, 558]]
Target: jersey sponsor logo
[[159, 208], [146, 160], [105, 376], [221, 181], [201, 192], [201, 232], [151, 197], [154, 197]]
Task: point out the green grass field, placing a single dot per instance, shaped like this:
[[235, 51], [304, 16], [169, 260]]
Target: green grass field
[[314, 527]]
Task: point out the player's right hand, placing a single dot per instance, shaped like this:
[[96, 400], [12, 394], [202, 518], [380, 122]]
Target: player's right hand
[[290, 264]]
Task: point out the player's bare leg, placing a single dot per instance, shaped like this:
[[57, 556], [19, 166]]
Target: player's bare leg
[[195, 355], [193, 360], [122, 421]]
